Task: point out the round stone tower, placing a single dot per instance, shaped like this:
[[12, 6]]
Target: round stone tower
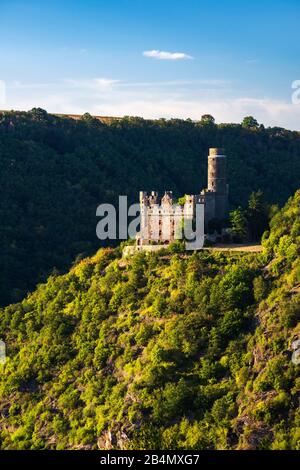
[[217, 184], [217, 181]]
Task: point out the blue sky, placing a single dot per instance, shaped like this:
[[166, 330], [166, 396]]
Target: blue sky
[[157, 58]]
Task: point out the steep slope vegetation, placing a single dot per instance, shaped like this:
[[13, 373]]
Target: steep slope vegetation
[[160, 351], [55, 171]]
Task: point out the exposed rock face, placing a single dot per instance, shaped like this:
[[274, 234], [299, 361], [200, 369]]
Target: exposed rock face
[[115, 438]]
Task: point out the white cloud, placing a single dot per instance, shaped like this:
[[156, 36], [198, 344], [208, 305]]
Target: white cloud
[[164, 55]]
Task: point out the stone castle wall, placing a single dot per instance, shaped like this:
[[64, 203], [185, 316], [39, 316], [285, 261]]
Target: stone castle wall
[[161, 220]]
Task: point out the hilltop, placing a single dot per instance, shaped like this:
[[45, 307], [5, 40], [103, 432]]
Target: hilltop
[[54, 171], [159, 351]]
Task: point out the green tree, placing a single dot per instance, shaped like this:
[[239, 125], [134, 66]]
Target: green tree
[[239, 224], [207, 119], [257, 215], [250, 122]]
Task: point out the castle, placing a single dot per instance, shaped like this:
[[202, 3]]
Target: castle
[[161, 219]]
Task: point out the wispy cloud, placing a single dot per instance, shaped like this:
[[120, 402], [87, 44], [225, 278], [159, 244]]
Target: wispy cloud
[[97, 84], [71, 50], [17, 85], [165, 55], [252, 61], [177, 83]]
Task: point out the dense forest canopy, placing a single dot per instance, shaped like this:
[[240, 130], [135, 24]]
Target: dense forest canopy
[[54, 171], [165, 350]]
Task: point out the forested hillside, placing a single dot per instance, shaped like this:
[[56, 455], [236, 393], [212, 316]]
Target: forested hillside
[[55, 171], [168, 350]]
